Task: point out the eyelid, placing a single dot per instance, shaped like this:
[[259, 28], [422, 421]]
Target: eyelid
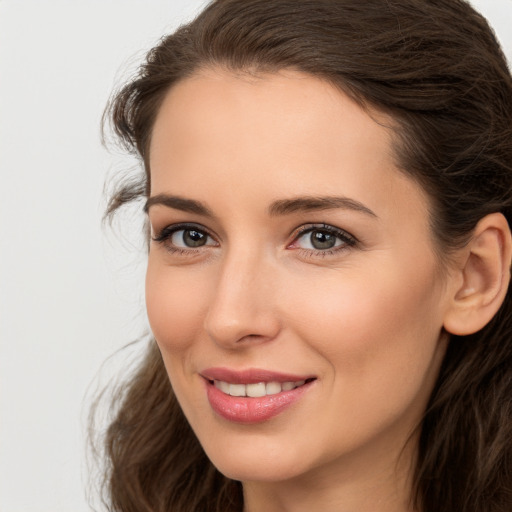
[[172, 228], [165, 235], [348, 239]]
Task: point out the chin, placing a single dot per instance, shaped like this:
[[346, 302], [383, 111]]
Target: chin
[[253, 460], [258, 470]]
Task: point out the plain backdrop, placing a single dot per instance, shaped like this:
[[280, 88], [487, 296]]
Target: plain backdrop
[[71, 292]]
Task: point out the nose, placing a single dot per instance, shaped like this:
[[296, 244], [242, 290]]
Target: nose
[[242, 307]]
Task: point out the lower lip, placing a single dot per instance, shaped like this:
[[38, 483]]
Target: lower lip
[[252, 410]]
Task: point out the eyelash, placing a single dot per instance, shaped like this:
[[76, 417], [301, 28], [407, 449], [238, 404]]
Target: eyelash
[[347, 240], [166, 234]]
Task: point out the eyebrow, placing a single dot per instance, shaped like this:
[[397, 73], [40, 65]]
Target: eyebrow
[[178, 203], [277, 208], [310, 203]]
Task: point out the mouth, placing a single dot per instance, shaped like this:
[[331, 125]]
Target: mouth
[[259, 389], [253, 396]]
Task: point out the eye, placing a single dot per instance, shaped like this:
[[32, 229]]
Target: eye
[[182, 237], [189, 238], [323, 238], [319, 239]]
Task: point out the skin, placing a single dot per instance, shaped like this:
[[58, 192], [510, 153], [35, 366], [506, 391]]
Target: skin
[[365, 319]]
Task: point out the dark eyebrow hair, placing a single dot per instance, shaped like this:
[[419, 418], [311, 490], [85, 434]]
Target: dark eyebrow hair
[[280, 207], [309, 203], [178, 203]]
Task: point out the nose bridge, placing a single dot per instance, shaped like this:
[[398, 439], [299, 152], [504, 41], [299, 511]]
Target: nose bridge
[[241, 306]]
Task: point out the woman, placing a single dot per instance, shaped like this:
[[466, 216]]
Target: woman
[[328, 185]]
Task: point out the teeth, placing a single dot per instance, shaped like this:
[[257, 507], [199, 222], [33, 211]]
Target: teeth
[[223, 386], [237, 390], [287, 386], [256, 390], [272, 388]]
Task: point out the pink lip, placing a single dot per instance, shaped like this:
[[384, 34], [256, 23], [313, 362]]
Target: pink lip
[[251, 376], [248, 409]]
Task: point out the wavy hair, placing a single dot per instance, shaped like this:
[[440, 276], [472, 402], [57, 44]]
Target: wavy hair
[[437, 69]]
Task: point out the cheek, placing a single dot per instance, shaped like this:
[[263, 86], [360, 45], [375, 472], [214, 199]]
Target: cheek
[[381, 343], [174, 305], [376, 325]]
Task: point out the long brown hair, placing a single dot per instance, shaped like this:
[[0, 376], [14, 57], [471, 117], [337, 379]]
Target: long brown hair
[[437, 69]]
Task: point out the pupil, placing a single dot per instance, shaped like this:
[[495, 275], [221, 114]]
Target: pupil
[[193, 238], [322, 240]]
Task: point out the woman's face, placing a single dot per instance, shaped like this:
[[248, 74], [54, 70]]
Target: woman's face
[[290, 260]]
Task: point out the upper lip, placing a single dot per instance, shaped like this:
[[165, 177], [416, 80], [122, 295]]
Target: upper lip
[[251, 375]]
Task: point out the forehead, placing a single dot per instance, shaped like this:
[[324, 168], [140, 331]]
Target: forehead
[[281, 134], [276, 110], [299, 101]]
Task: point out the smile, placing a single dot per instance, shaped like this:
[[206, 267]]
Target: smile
[[258, 389], [253, 396]]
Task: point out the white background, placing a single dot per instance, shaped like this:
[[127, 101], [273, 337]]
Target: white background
[[70, 293]]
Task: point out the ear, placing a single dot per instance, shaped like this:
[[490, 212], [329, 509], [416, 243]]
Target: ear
[[482, 277]]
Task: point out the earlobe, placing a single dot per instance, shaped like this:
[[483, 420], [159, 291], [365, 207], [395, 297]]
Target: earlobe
[[483, 277]]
